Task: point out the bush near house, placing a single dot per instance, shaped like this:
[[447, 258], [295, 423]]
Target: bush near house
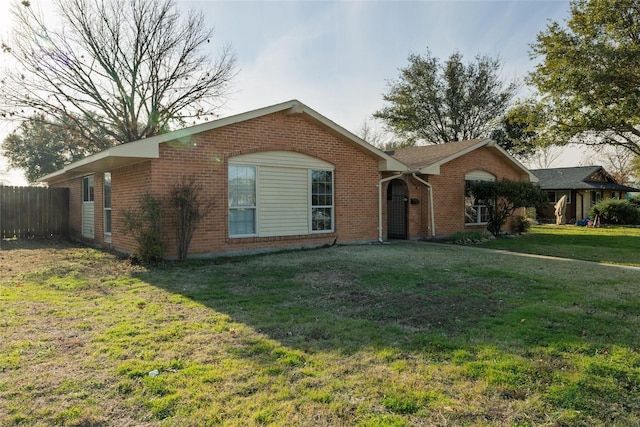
[[616, 212]]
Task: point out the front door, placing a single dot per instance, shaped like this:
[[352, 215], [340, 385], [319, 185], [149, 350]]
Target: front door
[[397, 200]]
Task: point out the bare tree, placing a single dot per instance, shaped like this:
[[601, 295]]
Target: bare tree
[[544, 156], [619, 162], [118, 69], [376, 137]]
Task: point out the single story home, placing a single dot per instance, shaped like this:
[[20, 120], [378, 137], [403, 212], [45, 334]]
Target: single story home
[[284, 176], [584, 186]]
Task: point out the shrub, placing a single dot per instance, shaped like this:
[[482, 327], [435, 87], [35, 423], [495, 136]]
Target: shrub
[[145, 225], [619, 212], [521, 224], [504, 197], [189, 210], [470, 237]]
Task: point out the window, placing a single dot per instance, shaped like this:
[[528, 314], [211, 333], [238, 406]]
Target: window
[[242, 200], [321, 200], [107, 203], [554, 196], [87, 189], [476, 211], [615, 195]]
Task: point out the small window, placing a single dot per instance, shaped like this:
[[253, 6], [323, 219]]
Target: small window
[[107, 203], [554, 196], [321, 200], [242, 200], [87, 189]]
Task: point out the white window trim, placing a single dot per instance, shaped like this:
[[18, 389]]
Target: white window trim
[[311, 206], [474, 177], [105, 208], [254, 207], [91, 185]]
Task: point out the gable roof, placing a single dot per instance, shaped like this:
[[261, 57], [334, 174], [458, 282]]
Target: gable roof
[[427, 159], [148, 148], [578, 178]]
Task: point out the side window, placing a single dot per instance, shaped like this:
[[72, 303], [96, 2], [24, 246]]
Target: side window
[[107, 203], [87, 189], [242, 200]]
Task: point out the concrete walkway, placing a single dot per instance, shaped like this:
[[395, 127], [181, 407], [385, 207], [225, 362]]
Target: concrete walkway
[[525, 255]]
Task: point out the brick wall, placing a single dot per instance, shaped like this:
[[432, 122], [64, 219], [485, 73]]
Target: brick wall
[[449, 187], [206, 155]]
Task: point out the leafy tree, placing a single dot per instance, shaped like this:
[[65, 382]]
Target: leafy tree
[[507, 196], [432, 102], [590, 73], [519, 131], [124, 69], [40, 147]]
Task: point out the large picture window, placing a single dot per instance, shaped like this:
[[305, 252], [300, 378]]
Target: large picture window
[[242, 200], [321, 200]]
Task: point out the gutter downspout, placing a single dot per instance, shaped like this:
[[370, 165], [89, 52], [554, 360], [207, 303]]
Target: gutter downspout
[[383, 180], [433, 221]]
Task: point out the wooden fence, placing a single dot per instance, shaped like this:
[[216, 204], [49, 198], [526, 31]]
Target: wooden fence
[[27, 212]]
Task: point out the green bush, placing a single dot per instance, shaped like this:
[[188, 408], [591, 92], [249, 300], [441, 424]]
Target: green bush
[[521, 224], [618, 212], [470, 237]]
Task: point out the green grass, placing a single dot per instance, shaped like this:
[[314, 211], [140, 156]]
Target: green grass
[[379, 335], [614, 245]]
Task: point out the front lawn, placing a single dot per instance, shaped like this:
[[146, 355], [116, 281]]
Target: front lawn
[[614, 245], [398, 334]]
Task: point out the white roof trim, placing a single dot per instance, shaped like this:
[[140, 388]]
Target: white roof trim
[[146, 149]]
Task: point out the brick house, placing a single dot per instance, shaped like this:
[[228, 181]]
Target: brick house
[[283, 176]]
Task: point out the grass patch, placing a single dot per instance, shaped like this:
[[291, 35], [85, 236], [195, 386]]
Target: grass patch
[[380, 335], [613, 245]]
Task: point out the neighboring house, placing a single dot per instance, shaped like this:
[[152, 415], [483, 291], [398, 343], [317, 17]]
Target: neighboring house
[[584, 186], [283, 176]]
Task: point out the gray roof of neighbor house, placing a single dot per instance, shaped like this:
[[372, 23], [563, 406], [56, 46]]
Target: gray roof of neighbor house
[[578, 178], [147, 149], [427, 159]]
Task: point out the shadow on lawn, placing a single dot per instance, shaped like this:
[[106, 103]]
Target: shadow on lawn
[[302, 304]]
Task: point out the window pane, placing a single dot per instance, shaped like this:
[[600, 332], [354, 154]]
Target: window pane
[[242, 186], [87, 189], [107, 221], [107, 190], [242, 222], [321, 200], [321, 219]]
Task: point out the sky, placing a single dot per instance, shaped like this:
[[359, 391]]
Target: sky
[[338, 57]]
